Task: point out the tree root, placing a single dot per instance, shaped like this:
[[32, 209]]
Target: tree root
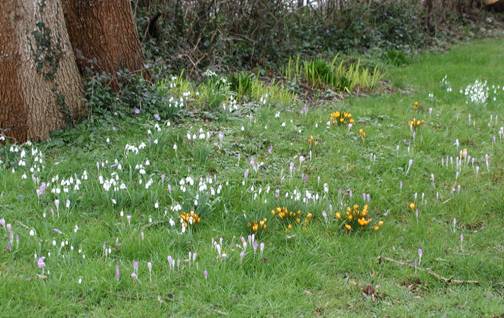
[[446, 280]]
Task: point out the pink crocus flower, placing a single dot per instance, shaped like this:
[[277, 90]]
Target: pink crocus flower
[[41, 263], [205, 274], [117, 272]]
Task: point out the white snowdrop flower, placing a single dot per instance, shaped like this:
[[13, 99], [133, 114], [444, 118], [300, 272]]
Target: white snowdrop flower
[[410, 164], [32, 232], [106, 186], [477, 92]]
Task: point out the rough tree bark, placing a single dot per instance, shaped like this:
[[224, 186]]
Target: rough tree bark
[[103, 34], [40, 85], [429, 5]]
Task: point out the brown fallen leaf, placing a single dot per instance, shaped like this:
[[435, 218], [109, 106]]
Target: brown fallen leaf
[[369, 291]]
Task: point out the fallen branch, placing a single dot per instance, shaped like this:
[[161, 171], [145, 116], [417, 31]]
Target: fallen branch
[[429, 271]]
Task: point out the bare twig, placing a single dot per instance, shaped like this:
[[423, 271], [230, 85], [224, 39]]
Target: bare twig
[[155, 224], [449, 281]]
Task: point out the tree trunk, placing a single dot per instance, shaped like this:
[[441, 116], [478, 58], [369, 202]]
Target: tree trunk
[[429, 5], [103, 34], [40, 85]]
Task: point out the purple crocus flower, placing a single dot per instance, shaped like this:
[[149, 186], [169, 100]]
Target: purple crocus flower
[[205, 274], [255, 245], [420, 254], [171, 262], [2, 222], [136, 111], [41, 189], [10, 232], [135, 267], [41, 262], [304, 110], [157, 117]]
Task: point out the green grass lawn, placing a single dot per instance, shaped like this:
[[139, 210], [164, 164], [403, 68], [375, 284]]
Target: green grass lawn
[[243, 168]]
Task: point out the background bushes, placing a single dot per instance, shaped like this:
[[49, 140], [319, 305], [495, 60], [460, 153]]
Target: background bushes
[[237, 34]]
